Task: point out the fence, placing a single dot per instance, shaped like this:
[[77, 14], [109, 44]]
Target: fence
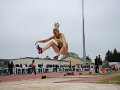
[[27, 70]]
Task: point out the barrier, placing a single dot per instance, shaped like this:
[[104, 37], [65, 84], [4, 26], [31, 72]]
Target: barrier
[[43, 77], [70, 73]]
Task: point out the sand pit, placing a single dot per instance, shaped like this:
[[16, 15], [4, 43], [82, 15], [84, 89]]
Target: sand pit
[[50, 84]]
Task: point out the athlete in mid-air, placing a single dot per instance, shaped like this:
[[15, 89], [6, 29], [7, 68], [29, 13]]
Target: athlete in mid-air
[[59, 44]]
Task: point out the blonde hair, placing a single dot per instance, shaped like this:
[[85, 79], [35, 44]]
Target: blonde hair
[[56, 27]]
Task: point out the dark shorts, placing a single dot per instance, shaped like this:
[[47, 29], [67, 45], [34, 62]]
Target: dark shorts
[[59, 47]]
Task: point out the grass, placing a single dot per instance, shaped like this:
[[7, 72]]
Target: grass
[[115, 80], [102, 74], [106, 73]]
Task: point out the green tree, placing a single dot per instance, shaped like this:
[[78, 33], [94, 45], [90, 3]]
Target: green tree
[[108, 54], [112, 56]]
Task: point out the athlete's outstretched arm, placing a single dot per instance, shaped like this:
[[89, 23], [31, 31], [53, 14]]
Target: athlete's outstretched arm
[[45, 40]]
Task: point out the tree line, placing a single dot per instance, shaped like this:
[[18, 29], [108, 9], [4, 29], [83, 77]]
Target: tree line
[[112, 56]]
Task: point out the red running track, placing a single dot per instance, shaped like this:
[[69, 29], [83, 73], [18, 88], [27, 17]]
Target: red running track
[[9, 78]]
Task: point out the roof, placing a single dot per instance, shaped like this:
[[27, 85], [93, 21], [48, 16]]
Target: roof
[[74, 61]]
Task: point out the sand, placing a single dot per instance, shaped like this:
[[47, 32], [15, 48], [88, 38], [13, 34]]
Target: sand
[[52, 84]]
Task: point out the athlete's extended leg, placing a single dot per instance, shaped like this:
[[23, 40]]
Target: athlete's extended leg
[[53, 45]]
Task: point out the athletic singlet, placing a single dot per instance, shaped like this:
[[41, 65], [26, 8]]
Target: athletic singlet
[[58, 40]]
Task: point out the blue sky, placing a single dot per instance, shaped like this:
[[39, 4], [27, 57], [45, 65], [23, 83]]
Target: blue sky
[[22, 22]]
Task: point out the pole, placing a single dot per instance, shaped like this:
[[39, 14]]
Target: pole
[[84, 52]]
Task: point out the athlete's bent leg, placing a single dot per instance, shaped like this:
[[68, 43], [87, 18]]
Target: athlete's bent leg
[[63, 52], [53, 45]]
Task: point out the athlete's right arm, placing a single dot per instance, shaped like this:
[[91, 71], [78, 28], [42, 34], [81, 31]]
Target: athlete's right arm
[[45, 40]]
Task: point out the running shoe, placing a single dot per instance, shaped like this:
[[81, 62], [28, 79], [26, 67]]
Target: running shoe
[[56, 57], [39, 49]]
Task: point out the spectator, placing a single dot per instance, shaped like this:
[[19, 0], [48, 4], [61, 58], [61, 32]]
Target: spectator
[[23, 68], [9, 67], [92, 69], [100, 64], [33, 67], [96, 64]]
